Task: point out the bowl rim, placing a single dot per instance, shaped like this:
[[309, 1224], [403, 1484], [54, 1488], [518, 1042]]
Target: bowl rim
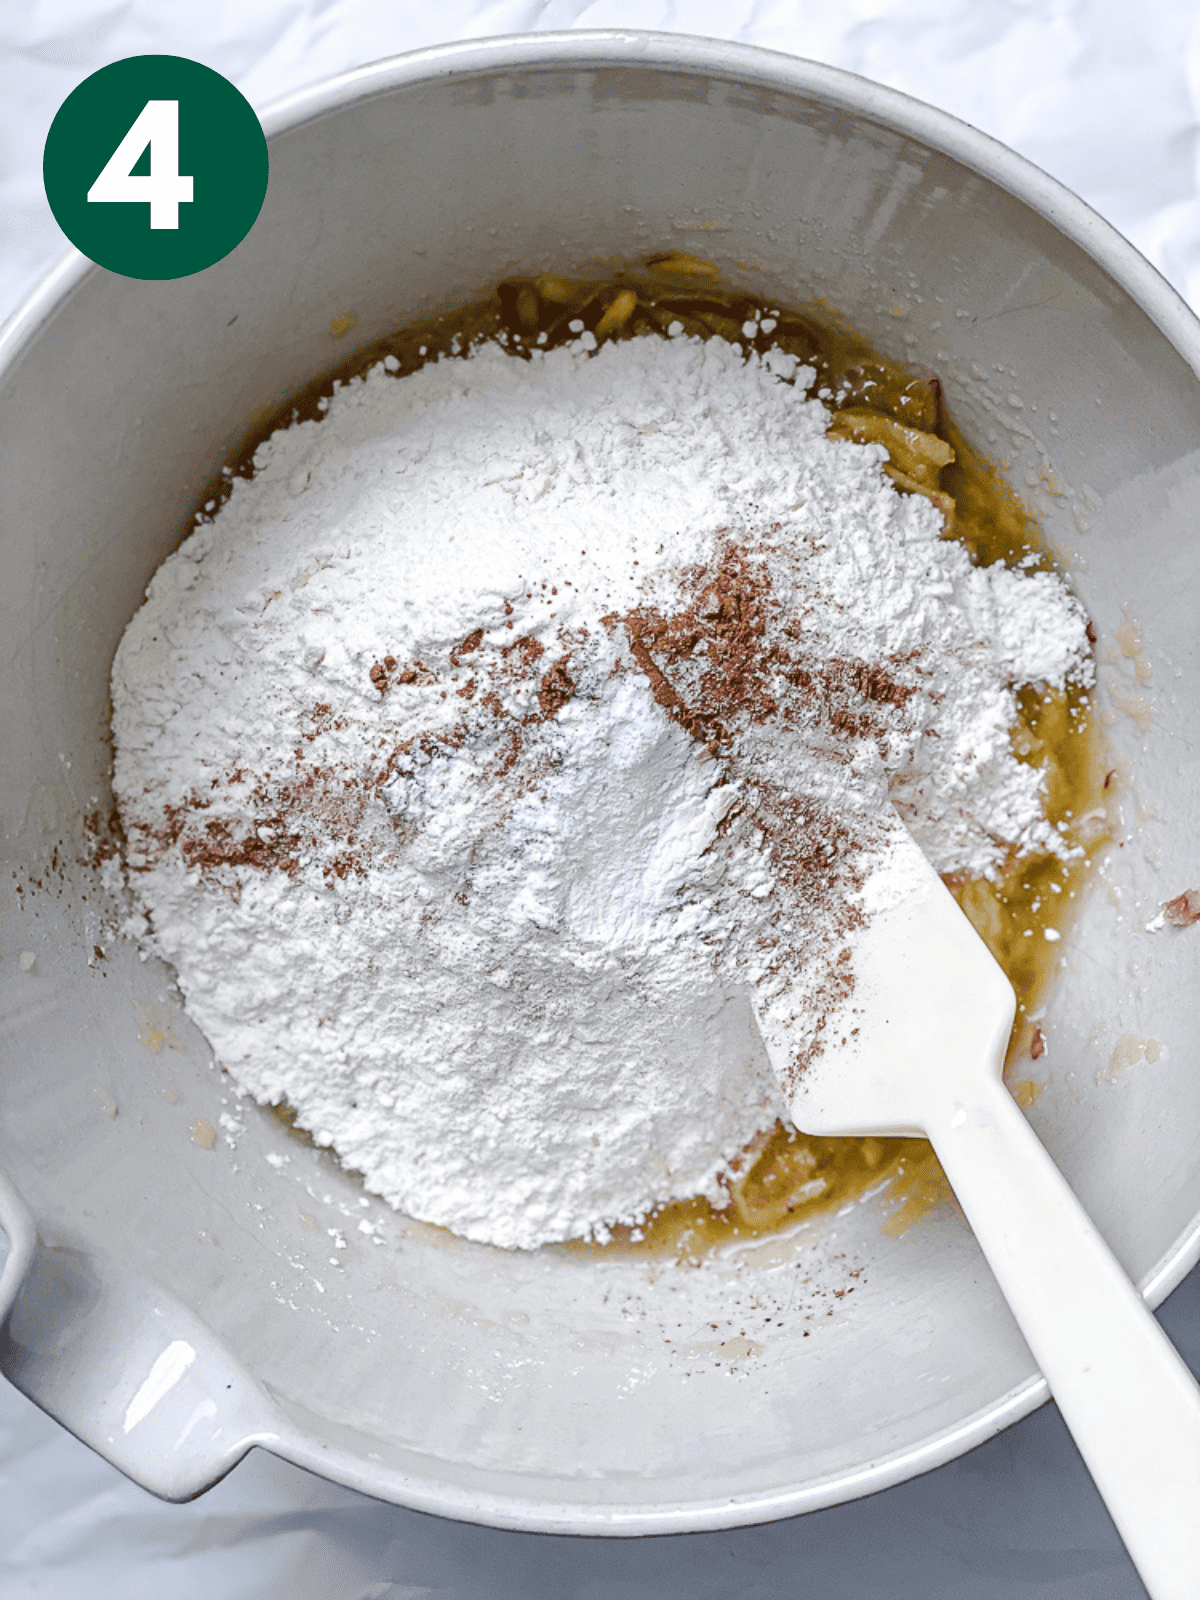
[[798, 77], [698, 54]]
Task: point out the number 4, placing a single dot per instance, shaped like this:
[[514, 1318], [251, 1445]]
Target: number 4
[[164, 189]]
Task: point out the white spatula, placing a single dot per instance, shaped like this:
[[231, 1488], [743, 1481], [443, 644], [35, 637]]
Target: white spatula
[[933, 1010]]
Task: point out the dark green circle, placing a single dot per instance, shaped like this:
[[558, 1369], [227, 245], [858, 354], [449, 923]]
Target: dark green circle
[[221, 148]]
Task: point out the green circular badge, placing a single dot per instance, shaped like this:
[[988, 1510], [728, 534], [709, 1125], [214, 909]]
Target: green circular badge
[[155, 167]]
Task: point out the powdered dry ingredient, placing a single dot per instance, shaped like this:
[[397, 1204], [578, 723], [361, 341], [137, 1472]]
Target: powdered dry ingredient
[[520, 719]]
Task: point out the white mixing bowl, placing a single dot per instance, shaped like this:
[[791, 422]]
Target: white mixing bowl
[[173, 1304]]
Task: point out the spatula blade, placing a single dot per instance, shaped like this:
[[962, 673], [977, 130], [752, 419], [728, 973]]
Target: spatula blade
[[929, 1000]]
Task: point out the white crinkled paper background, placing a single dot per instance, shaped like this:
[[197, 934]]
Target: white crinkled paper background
[[1105, 95]]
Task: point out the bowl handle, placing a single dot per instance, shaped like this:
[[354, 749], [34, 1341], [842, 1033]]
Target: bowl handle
[[123, 1365], [18, 1226]]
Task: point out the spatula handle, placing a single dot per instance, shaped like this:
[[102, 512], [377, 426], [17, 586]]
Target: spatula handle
[[1131, 1404]]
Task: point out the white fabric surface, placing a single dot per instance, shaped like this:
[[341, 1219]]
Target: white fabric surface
[[1105, 94]]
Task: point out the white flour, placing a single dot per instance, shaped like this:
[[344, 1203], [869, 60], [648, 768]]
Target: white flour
[[517, 719]]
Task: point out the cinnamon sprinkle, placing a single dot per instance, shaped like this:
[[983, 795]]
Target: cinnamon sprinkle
[[555, 689]]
